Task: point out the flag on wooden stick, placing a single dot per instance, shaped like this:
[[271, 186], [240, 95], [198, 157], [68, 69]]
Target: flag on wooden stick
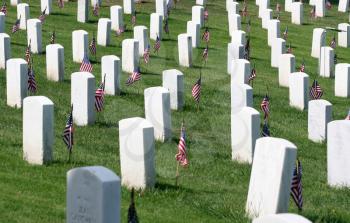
[[146, 54], [95, 10], [15, 27], [315, 91], [92, 46], [100, 96], [297, 188], [206, 35], [181, 155], [157, 45], [196, 89], [68, 131], [4, 8], [132, 214], [28, 53], [86, 66], [135, 76], [302, 67], [265, 106], [32, 87]]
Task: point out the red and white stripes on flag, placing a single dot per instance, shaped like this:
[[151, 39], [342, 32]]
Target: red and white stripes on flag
[[196, 90], [146, 54], [206, 14], [315, 91], [333, 43], [206, 35], [302, 67], [205, 54], [135, 76], [4, 8], [31, 80], [265, 106], [99, 97], [86, 66], [297, 188], [28, 53], [92, 46], [252, 75], [68, 131], [157, 45], [42, 16], [95, 10], [181, 155], [121, 30], [15, 27]]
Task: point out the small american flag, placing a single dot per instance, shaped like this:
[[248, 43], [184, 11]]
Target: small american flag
[[328, 5], [99, 96], [285, 33], [28, 53], [95, 10], [92, 46], [53, 37], [86, 66], [249, 26], [348, 116], [313, 12], [206, 53], [206, 35], [121, 30], [196, 89], [146, 54], [60, 3], [265, 130], [265, 106], [252, 75], [135, 76], [278, 7], [302, 67], [68, 131], [42, 16], [15, 27], [297, 188], [4, 8], [289, 49], [316, 91], [166, 26], [206, 14], [31, 80], [133, 19], [247, 50], [157, 45], [181, 155], [245, 10], [333, 43]]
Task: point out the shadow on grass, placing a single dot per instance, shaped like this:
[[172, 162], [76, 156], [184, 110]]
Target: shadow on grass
[[171, 187], [60, 14]]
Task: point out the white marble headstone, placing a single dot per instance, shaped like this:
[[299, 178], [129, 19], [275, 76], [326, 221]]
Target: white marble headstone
[[104, 32], [141, 34], [319, 115], [110, 66], [297, 13], [282, 218], [23, 15], [130, 55], [326, 62], [241, 96], [156, 28], [344, 35], [278, 47], [16, 82], [83, 11], [273, 31], [173, 80], [129, 6], [47, 6], [240, 71], [116, 12], [55, 62], [234, 51], [299, 90], [193, 29], [185, 50], [5, 49], [198, 15], [318, 41], [79, 45], [285, 68], [342, 80]]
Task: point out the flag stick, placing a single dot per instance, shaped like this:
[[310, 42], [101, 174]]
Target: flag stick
[[69, 155]]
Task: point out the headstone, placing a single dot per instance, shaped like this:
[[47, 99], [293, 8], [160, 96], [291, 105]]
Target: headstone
[[344, 35], [266, 17], [263, 5], [15, 2], [129, 6], [16, 82], [173, 80], [79, 45], [241, 96], [185, 50], [96, 2], [116, 12], [297, 13], [240, 71], [271, 177], [201, 2], [83, 11], [343, 5], [319, 115], [46, 5], [130, 55], [137, 153], [2, 22], [157, 111], [338, 153], [83, 98], [281, 218], [141, 34], [286, 68], [161, 7], [245, 130], [278, 47], [234, 21], [38, 129], [326, 62], [55, 62], [288, 5], [239, 37], [193, 29], [342, 80], [93, 195], [34, 35], [156, 28], [104, 32], [320, 8], [110, 66], [234, 51], [5, 49], [318, 41], [198, 15], [23, 15], [232, 7], [298, 90], [273, 31], [312, 2]]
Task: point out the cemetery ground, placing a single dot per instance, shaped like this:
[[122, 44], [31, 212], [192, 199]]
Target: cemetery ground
[[213, 188]]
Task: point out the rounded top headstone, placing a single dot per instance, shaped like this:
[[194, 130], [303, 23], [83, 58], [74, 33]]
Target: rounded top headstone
[[275, 142], [41, 100], [80, 31], [135, 122], [155, 90], [281, 218], [82, 75]]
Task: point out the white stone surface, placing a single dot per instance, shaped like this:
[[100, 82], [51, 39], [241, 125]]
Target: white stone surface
[[23, 15], [297, 13], [234, 22], [93, 195], [141, 34], [343, 6], [234, 51], [266, 17], [173, 80], [285, 68], [201, 2], [16, 82], [239, 37], [232, 7], [157, 111], [278, 47], [319, 115], [2, 22], [83, 11], [288, 5], [299, 90], [273, 31], [240, 71], [130, 55], [110, 66], [15, 2], [271, 176], [338, 153], [104, 32], [326, 62], [312, 2], [38, 129], [156, 28], [342, 80], [34, 35], [83, 98], [185, 50], [198, 15], [318, 41], [129, 6], [245, 130], [47, 6], [79, 45], [241, 96], [193, 29], [116, 12], [344, 37], [55, 62], [282, 218], [320, 8], [161, 7], [263, 5], [5, 49], [96, 2], [137, 153]]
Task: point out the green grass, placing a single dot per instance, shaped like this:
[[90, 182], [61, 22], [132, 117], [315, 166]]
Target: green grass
[[213, 188]]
